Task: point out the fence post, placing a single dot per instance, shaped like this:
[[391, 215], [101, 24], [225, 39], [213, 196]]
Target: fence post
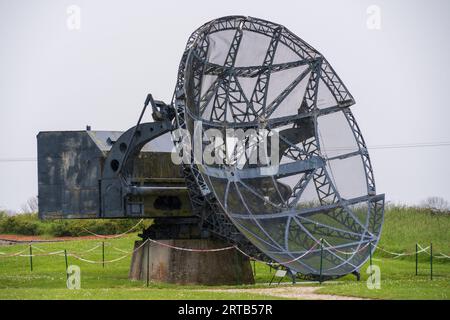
[[417, 259], [103, 254], [148, 262], [431, 261], [273, 277], [321, 258], [31, 258], [67, 265], [370, 255]]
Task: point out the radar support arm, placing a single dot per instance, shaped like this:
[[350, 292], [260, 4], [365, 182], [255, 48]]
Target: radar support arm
[[115, 184]]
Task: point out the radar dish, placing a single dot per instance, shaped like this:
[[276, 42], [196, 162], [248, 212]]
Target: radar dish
[[314, 209]]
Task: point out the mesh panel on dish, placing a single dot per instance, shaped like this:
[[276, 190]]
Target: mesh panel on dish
[[349, 176], [335, 135]]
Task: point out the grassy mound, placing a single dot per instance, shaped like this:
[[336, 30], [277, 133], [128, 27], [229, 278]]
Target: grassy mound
[[405, 226]]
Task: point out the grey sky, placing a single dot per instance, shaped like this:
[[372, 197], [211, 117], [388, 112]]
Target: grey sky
[[52, 78]]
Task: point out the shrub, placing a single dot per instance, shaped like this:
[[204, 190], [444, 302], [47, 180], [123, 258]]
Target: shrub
[[29, 224], [25, 224]]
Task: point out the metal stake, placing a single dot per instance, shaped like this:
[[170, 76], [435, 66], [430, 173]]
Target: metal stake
[[431, 261], [321, 258], [370, 254], [417, 259], [103, 254], [148, 263], [31, 258], [271, 280], [67, 265]]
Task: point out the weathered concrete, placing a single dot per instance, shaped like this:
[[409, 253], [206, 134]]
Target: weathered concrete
[[183, 267]]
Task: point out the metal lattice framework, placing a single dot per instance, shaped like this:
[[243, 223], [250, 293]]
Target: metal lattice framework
[[321, 203]]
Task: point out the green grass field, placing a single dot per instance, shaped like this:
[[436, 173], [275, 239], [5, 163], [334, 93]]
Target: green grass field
[[403, 228]]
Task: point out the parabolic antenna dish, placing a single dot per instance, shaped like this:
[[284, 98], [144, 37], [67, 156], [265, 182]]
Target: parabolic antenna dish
[[315, 209]]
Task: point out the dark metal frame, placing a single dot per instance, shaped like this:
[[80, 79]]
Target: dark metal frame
[[115, 185]]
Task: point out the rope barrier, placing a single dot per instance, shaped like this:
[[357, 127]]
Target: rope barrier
[[333, 248], [272, 263], [38, 249], [114, 236], [42, 254], [423, 249], [4, 255], [78, 256], [396, 254], [189, 249], [401, 254], [442, 256], [120, 250], [82, 252], [109, 261], [252, 258]]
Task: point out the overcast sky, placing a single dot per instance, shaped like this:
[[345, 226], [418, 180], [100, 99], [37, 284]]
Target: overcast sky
[[55, 78]]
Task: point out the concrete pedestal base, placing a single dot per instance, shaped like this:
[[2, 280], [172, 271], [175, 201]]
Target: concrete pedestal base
[[226, 267]]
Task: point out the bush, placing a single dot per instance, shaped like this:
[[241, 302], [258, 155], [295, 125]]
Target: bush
[[25, 224], [29, 224]]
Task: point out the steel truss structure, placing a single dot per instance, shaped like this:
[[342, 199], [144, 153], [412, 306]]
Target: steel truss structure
[[321, 204]]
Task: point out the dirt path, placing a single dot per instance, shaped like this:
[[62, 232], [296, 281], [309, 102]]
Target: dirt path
[[297, 292]]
